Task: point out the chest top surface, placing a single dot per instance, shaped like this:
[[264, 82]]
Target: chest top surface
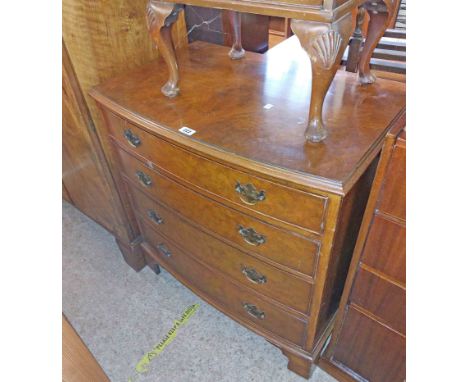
[[256, 110]]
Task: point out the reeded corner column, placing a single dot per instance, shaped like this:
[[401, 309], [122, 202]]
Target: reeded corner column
[[380, 13], [160, 18], [325, 44], [237, 52]]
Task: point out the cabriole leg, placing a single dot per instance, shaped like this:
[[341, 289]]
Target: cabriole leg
[[325, 45], [355, 44], [160, 18], [379, 17], [237, 52]]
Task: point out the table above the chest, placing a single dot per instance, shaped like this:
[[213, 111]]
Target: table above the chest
[[322, 26]]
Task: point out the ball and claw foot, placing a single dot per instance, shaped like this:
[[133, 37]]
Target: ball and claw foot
[[316, 132], [367, 79], [236, 54], [170, 90]]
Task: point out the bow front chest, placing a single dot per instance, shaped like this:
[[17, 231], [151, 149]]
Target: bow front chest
[[222, 190]]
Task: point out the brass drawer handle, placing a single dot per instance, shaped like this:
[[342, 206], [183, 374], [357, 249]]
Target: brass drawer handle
[[164, 250], [132, 139], [253, 276], [155, 217], [253, 311], [144, 179], [249, 194], [251, 237]]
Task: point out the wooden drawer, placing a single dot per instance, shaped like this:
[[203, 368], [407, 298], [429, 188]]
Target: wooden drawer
[[370, 350], [230, 297], [295, 207], [245, 269], [385, 248], [383, 299], [392, 200], [279, 245]]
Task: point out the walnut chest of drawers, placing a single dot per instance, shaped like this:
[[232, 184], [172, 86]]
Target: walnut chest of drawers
[[244, 212]]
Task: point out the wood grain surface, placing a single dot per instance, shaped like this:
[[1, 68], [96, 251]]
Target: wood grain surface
[[83, 172], [369, 338], [225, 104], [101, 39], [78, 364]]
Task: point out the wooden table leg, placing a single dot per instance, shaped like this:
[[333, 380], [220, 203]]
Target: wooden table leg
[[379, 14], [237, 52], [355, 44], [325, 44], [161, 17]]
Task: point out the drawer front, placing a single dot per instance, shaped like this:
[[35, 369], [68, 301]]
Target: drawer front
[[392, 198], [385, 248], [383, 299], [364, 343], [237, 301], [253, 235], [295, 207], [245, 269]]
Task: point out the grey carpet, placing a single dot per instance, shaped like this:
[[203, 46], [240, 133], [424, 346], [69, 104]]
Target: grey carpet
[[121, 315]]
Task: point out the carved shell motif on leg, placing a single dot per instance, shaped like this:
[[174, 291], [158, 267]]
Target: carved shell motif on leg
[[325, 48]]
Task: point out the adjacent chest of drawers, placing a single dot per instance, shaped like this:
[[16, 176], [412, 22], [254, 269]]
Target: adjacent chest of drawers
[[369, 339], [255, 221]]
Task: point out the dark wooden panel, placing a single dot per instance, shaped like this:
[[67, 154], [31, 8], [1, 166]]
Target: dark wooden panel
[[383, 299], [204, 24], [385, 248], [370, 349], [351, 214], [212, 25]]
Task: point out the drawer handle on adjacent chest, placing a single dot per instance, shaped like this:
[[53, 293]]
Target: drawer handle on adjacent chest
[[164, 250], [253, 276], [155, 217], [249, 194], [132, 139], [251, 237], [144, 179], [253, 311]]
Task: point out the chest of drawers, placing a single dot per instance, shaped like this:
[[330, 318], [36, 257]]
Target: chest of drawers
[[244, 212], [372, 313]]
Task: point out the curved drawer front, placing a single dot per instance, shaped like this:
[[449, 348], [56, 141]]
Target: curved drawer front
[[236, 300], [251, 234], [296, 207], [247, 270]]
